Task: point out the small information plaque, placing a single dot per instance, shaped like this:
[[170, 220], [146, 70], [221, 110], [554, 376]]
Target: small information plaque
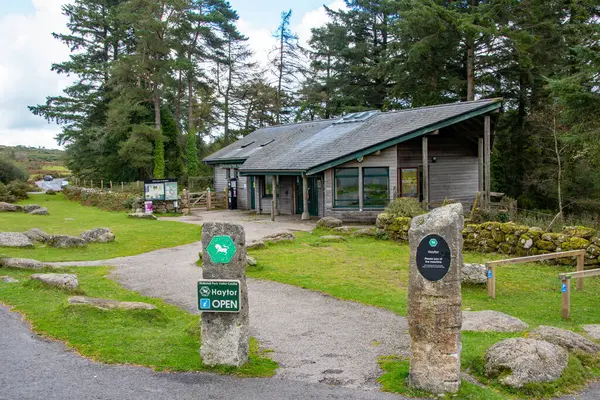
[[433, 257]]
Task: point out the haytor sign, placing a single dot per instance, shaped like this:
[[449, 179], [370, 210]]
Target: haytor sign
[[433, 257], [217, 295]]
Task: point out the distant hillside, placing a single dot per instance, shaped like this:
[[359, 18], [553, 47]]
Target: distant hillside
[[37, 161]]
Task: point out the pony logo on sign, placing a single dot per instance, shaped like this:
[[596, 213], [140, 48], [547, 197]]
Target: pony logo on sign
[[221, 249]]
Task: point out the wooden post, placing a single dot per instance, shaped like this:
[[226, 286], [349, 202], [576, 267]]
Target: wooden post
[[580, 263], [487, 145], [274, 204], [361, 189], [122, 187], [480, 156], [111, 187], [226, 199], [491, 280], [272, 210], [208, 199], [305, 214], [425, 154], [91, 183], [566, 297], [84, 183], [258, 193], [137, 184]]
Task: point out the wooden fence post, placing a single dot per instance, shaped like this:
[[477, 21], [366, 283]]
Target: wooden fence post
[[91, 183], [566, 297], [491, 280], [101, 184], [580, 262], [208, 199], [226, 199], [84, 183], [137, 184], [122, 187], [111, 185]]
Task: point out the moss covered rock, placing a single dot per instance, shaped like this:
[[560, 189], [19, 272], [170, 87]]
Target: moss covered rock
[[508, 227], [593, 250], [579, 231], [498, 236], [535, 232], [545, 245], [525, 241], [576, 243], [512, 239], [382, 220], [506, 248]]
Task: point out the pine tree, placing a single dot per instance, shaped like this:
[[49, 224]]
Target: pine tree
[[159, 159]]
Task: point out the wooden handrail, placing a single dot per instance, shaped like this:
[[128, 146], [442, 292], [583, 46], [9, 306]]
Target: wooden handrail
[[539, 257], [491, 266], [565, 279], [579, 274]]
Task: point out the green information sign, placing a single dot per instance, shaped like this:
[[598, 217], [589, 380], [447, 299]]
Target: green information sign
[[219, 295], [221, 249]]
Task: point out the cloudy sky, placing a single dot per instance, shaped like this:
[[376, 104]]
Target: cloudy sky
[[28, 51]]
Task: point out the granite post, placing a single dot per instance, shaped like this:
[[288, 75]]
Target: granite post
[[225, 336], [435, 299]]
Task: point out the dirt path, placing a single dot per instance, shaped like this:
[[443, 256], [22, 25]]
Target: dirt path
[[314, 338]]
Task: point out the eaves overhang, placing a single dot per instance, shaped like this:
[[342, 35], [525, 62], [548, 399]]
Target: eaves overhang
[[405, 137]]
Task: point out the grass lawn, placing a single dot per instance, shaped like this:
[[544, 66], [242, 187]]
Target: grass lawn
[[70, 218], [375, 272], [165, 339]]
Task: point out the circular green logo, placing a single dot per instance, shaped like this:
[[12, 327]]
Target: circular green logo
[[433, 242]]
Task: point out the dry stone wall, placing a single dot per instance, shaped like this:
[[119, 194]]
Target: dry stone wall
[[509, 238]]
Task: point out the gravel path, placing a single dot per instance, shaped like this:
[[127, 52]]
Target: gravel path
[[314, 337], [34, 368]]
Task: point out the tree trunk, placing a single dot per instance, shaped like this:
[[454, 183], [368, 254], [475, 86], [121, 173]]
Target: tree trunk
[[178, 105], [559, 177], [227, 91], [471, 59], [280, 78]]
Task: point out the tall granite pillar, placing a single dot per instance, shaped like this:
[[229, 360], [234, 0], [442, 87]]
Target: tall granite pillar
[[225, 336], [435, 299]]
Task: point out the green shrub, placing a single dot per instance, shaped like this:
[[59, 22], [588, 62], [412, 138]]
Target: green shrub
[[9, 171], [5, 194], [19, 189], [404, 207], [50, 192]]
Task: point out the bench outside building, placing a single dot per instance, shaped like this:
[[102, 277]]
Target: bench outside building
[[352, 167]]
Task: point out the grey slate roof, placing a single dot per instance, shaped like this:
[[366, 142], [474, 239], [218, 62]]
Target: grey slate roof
[[306, 146]]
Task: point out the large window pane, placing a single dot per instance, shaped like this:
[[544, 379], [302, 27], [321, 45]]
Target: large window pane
[[410, 182], [268, 185], [375, 187], [346, 187]]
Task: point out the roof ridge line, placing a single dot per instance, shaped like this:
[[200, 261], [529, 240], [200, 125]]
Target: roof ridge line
[[492, 100]]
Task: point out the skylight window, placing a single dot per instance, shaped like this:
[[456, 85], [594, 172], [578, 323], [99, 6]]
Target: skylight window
[[357, 117], [267, 142], [247, 144]]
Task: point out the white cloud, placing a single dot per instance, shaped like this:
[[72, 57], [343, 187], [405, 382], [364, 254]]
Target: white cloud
[[25, 77], [29, 50], [261, 40]]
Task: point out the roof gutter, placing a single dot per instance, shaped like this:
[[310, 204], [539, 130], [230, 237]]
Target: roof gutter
[[270, 172], [414, 134], [225, 161]]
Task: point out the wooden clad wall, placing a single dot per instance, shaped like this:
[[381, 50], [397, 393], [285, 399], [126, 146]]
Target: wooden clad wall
[[455, 174], [220, 179], [285, 195]]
